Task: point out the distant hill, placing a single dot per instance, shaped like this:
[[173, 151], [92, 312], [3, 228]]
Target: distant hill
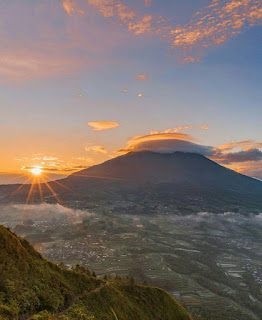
[[150, 182], [34, 288]]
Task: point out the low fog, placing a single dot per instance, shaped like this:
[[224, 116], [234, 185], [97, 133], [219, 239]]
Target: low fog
[[10, 215]]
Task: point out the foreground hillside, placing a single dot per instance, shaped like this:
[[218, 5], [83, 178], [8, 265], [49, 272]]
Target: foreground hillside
[[33, 288]]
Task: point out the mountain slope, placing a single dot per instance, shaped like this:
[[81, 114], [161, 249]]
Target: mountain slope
[[149, 182], [179, 167], [31, 287], [179, 180]]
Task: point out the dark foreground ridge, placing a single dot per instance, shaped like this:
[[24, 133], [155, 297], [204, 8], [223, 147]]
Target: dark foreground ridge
[[34, 288]]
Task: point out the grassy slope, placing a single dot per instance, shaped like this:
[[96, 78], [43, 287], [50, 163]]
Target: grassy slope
[[118, 301], [30, 284]]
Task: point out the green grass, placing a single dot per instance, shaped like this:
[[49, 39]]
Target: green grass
[[31, 286], [122, 301]]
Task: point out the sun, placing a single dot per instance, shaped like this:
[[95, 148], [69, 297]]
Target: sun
[[36, 171]]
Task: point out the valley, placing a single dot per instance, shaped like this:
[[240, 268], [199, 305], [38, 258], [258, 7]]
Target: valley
[[211, 263]]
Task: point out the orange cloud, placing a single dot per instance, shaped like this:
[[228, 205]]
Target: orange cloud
[[249, 168], [180, 129], [138, 143], [96, 149], [49, 163], [244, 145], [103, 125], [161, 136], [142, 25], [212, 26], [135, 22], [142, 76], [71, 7]]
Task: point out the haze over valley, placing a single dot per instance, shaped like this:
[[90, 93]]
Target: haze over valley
[[131, 160]]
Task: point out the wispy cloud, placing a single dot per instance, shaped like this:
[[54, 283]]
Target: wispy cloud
[[24, 64], [72, 7], [180, 129], [244, 145], [125, 15], [241, 156], [85, 159], [96, 149], [103, 125], [50, 163], [250, 168], [142, 76], [213, 26]]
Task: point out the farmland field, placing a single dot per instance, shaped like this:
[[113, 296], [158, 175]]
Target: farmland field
[[211, 263]]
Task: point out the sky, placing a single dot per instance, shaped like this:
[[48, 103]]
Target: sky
[[83, 81]]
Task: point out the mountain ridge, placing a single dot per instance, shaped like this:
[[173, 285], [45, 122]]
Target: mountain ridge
[[182, 155], [34, 288], [180, 177], [182, 182]]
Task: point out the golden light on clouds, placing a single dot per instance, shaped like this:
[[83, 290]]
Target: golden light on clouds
[[175, 134], [43, 165], [180, 129], [96, 149], [243, 145], [135, 21], [72, 7], [212, 26], [135, 142], [142, 76], [102, 125], [161, 136]]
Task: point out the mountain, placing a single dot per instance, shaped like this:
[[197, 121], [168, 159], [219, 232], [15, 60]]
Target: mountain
[[186, 181], [150, 182], [177, 168], [34, 288]]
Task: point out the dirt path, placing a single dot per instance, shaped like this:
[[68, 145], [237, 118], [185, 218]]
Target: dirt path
[[79, 296]]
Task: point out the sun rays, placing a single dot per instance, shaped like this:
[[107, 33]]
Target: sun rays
[[36, 188]]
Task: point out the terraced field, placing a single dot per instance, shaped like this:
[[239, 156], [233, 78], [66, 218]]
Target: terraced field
[[212, 264]]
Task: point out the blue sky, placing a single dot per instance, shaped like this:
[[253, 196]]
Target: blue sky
[[66, 63]]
